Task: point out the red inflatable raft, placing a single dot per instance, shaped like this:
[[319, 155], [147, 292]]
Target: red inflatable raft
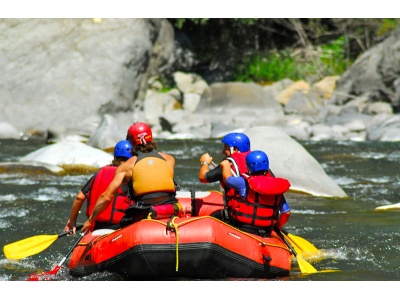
[[195, 246]]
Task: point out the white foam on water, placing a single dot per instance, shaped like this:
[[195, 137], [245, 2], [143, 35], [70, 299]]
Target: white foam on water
[[314, 212], [13, 212], [9, 197]]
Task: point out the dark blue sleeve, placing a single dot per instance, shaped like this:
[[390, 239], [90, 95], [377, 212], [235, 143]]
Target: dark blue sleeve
[[284, 207]]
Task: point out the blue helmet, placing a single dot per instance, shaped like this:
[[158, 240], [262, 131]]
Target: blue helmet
[[256, 161], [239, 140], [123, 149]]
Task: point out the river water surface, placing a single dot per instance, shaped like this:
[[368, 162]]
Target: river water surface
[[359, 244]]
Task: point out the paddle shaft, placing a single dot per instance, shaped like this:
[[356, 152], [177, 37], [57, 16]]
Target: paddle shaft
[[301, 243], [284, 231], [70, 249], [286, 242], [45, 275], [215, 165]]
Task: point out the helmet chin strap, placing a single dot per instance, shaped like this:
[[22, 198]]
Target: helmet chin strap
[[231, 149]]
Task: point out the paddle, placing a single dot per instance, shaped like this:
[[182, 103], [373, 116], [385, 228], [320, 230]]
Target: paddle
[[300, 244], [46, 275], [305, 267], [32, 245]]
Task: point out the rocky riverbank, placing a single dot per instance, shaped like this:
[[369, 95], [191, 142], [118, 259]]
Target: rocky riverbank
[[89, 80]]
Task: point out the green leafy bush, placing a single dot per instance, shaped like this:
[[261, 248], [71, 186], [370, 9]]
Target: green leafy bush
[[295, 64]]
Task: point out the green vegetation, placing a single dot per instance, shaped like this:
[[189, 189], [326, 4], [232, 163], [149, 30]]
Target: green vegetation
[[297, 64], [387, 25], [268, 49]]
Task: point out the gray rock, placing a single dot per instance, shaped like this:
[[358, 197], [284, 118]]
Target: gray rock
[[107, 134], [62, 76], [248, 96], [373, 73], [302, 104], [7, 131], [69, 153], [384, 127], [377, 108], [288, 159], [62, 71]]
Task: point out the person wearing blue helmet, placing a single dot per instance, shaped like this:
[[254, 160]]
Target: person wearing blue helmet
[[258, 205], [236, 147], [122, 151], [98, 184]]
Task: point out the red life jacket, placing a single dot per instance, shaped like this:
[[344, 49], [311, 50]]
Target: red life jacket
[[238, 166], [116, 210], [260, 208], [238, 160]]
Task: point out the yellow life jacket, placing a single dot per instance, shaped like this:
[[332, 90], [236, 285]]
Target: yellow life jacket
[[152, 175]]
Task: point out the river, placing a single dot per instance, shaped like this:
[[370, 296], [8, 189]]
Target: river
[[359, 244]]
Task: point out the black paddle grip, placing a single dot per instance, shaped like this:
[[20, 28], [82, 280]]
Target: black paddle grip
[[69, 231]]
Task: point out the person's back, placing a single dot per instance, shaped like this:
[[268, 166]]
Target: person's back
[[152, 174], [97, 184], [146, 193], [114, 212], [258, 205]]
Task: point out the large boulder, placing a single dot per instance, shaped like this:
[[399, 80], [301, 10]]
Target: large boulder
[[69, 154], [7, 131], [374, 74], [107, 134], [290, 160], [69, 72]]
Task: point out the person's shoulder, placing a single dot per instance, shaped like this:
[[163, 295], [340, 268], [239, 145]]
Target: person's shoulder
[[166, 155], [127, 164], [225, 163]]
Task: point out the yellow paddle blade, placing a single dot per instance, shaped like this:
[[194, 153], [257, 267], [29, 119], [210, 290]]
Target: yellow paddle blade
[[305, 266], [302, 243], [293, 244], [28, 246], [307, 250]]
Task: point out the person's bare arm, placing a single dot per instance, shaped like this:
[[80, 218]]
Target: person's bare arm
[[284, 217], [124, 171], [226, 170], [76, 206], [205, 167]]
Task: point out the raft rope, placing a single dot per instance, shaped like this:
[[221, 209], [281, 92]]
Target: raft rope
[[173, 227]]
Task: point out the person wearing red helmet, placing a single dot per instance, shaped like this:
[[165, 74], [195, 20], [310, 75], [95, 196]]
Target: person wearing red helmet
[[139, 133], [97, 184], [151, 176]]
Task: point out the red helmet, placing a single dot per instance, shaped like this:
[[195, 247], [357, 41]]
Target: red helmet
[[139, 133]]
